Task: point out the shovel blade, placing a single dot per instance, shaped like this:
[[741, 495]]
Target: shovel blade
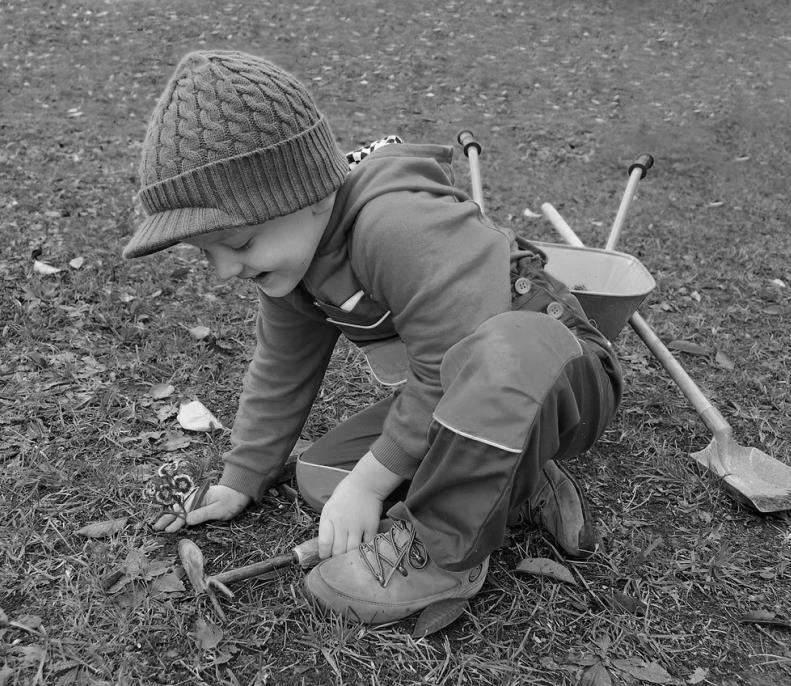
[[755, 478]]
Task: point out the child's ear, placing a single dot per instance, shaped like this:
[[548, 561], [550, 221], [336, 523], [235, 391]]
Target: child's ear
[[324, 205]]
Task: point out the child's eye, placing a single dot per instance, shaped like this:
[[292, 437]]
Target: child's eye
[[244, 246]]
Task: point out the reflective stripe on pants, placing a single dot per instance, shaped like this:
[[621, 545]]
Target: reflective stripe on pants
[[520, 390]]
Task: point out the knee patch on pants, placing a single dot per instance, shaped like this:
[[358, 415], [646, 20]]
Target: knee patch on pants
[[495, 379]]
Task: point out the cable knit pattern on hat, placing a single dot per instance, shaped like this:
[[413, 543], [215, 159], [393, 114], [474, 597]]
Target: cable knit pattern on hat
[[234, 140]]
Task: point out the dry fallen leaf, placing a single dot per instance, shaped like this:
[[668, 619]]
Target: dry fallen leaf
[[167, 583], [698, 675], [166, 412], [689, 348], [595, 675], [175, 440], [764, 617], [43, 268], [200, 332], [161, 390], [77, 262], [652, 672], [102, 529], [439, 615], [206, 634], [193, 416], [542, 566], [621, 601], [723, 361]]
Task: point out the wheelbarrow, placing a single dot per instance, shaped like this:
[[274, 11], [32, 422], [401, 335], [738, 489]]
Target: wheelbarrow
[[611, 287]]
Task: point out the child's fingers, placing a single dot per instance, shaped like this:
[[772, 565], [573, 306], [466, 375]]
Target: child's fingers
[[341, 543], [163, 522], [326, 537], [175, 525]]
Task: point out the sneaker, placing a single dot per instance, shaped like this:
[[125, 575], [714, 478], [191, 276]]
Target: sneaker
[[560, 509], [389, 578]]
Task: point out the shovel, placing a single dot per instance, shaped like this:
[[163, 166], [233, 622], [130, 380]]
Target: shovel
[[748, 473]]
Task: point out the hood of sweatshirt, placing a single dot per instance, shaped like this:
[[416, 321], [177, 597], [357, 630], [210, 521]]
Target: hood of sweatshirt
[[391, 168]]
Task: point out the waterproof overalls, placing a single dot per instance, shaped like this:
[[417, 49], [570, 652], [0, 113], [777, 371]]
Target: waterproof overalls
[[496, 368]]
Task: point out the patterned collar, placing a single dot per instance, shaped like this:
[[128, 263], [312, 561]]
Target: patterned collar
[[356, 156]]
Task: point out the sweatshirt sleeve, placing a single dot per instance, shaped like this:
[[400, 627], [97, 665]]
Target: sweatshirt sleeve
[[442, 269], [279, 388]]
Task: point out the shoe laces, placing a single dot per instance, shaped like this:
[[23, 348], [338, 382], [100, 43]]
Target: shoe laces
[[385, 551]]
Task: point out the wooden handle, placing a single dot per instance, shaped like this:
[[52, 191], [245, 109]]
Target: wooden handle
[[560, 225], [637, 170], [467, 140], [472, 148], [306, 554]]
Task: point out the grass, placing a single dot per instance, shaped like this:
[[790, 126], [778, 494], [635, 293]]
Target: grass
[[562, 95]]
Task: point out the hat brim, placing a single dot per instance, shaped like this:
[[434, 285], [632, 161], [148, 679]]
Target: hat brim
[[164, 229]]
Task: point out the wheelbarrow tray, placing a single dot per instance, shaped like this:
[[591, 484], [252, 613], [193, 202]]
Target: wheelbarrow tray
[[610, 285]]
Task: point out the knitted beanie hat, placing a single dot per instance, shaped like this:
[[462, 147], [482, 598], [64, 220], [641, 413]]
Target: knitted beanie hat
[[234, 140]]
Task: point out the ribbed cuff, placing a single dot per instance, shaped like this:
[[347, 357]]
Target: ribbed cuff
[[392, 456], [245, 481]]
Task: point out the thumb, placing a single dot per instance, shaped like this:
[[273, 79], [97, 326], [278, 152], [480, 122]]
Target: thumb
[[215, 510]]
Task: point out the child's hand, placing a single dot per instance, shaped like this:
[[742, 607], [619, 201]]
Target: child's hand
[[350, 517], [219, 502]]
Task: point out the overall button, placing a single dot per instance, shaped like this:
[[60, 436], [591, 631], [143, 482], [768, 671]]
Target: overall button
[[555, 310], [522, 285]]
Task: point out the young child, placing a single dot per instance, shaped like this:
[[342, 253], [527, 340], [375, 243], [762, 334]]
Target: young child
[[497, 372]]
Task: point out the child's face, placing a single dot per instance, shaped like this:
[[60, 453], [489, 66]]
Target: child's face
[[275, 254]]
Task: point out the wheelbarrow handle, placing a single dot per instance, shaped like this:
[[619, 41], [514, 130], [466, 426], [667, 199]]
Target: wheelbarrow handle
[[643, 162], [466, 139], [472, 148], [637, 170]]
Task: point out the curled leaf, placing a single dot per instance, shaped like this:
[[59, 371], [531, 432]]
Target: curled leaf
[[542, 566], [102, 529], [439, 615], [192, 560]]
